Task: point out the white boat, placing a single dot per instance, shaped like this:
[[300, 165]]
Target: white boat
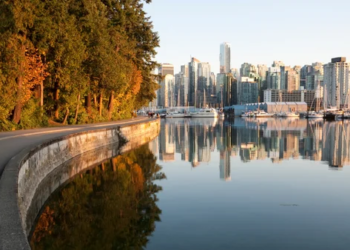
[[247, 114], [291, 114], [176, 114], [313, 114], [205, 113], [287, 114], [263, 114]]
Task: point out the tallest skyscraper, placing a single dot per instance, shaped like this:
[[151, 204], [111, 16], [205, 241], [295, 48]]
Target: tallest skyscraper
[[225, 58]]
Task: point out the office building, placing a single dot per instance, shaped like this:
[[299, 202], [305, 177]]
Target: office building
[[337, 82], [225, 58], [166, 92], [166, 69], [283, 95], [193, 81], [249, 90]]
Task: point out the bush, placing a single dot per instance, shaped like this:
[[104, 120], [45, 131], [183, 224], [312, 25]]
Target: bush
[[33, 116]]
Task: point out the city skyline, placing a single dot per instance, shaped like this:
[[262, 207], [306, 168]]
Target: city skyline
[[257, 34]]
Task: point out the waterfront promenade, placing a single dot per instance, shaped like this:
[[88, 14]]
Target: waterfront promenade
[[12, 143], [29, 156]]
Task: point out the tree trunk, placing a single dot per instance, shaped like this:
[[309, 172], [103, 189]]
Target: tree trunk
[[101, 103], [110, 105], [42, 87], [77, 110], [66, 116], [95, 101], [88, 103], [18, 108], [103, 167], [56, 97], [113, 165], [17, 112], [42, 94]]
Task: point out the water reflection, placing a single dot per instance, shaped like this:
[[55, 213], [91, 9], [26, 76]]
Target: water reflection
[[253, 139], [111, 206]]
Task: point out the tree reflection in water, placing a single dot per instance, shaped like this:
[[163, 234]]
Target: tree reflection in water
[[112, 206]]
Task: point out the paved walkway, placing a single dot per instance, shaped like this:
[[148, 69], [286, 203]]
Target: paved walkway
[[11, 143]]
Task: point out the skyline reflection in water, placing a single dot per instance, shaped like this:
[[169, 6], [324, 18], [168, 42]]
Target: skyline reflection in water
[[278, 191], [195, 140], [278, 194]]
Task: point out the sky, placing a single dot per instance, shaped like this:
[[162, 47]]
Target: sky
[[296, 32]]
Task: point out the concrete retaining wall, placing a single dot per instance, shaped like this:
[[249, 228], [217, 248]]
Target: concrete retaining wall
[[28, 170]]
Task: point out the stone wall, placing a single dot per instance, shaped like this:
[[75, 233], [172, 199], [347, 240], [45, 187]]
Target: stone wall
[[31, 173]]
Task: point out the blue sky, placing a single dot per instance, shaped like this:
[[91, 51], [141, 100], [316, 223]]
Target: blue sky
[[296, 32]]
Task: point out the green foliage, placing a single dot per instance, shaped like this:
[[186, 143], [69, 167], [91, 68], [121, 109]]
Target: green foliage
[[33, 116], [91, 48]]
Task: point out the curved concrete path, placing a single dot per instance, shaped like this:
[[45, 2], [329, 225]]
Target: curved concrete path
[[12, 143]]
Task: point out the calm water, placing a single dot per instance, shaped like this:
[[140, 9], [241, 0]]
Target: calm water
[[211, 184]]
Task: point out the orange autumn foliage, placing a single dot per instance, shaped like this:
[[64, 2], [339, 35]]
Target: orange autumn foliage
[[136, 80], [137, 176], [44, 225], [34, 73]]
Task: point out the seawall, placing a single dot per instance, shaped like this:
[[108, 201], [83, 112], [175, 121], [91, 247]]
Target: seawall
[[31, 176]]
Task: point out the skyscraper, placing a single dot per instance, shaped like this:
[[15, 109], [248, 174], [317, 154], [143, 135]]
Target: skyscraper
[[166, 69], [203, 83], [184, 70], [166, 92], [193, 81], [225, 58], [337, 82]]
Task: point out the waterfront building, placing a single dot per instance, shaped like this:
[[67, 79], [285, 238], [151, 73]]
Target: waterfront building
[[311, 76], [203, 90], [283, 95], [304, 72], [220, 79], [290, 78], [262, 72], [248, 71], [193, 81], [166, 92], [212, 86], [249, 90], [273, 78], [225, 57], [184, 85], [227, 86], [337, 82]]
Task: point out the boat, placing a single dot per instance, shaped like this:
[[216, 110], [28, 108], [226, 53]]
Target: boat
[[205, 113], [221, 113], [313, 114], [162, 115], [261, 113], [247, 114], [176, 114], [290, 114]]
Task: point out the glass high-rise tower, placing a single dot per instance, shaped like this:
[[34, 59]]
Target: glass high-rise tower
[[225, 58]]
